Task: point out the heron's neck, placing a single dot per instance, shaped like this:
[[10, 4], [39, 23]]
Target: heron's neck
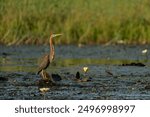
[[52, 53]]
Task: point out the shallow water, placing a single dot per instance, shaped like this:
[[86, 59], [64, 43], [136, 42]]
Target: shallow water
[[110, 79]]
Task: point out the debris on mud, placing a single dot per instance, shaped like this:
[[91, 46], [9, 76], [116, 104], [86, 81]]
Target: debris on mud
[[147, 87], [134, 64], [2, 78], [109, 72]]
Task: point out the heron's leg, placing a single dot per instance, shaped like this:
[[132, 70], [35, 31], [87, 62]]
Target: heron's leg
[[42, 73]]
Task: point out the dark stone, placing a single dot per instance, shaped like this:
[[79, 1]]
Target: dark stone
[[56, 77], [147, 87]]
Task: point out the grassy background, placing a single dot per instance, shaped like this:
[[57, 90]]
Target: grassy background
[[80, 21]]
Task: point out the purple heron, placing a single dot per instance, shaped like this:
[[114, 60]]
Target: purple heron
[[48, 58]]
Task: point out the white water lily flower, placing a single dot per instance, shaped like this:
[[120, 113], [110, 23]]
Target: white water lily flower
[[44, 89], [144, 51], [85, 69]]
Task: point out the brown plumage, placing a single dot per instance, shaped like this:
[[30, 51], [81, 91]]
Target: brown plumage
[[48, 58], [44, 64]]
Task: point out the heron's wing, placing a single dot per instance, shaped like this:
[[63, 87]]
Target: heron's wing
[[43, 62], [41, 59]]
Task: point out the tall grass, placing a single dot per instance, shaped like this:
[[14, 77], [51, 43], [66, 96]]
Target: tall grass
[[80, 21]]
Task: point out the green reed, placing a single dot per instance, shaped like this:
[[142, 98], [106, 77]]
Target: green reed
[[80, 21]]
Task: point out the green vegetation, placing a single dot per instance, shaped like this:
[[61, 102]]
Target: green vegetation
[[80, 21]]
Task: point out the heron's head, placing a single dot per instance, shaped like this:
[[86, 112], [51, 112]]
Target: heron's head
[[55, 35]]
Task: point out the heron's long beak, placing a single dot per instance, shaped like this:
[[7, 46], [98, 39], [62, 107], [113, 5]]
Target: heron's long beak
[[55, 35]]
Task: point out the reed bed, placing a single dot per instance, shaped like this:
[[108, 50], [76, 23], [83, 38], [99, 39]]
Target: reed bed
[[80, 21]]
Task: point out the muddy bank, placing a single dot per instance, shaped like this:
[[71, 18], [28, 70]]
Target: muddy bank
[[109, 67]]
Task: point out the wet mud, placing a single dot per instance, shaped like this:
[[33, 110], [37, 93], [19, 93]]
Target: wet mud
[[114, 72]]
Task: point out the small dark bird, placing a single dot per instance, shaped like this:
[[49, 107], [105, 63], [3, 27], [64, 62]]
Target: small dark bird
[[83, 79], [78, 78], [78, 75], [48, 58]]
